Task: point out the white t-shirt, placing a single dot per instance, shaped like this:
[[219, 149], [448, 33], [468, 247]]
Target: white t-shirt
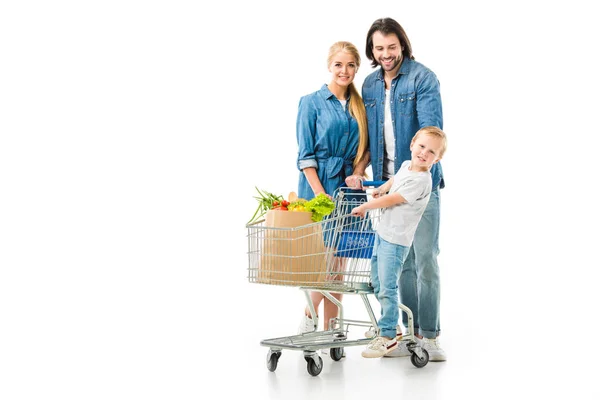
[[399, 223], [389, 140]]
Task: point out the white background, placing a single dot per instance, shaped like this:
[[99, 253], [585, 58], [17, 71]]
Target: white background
[[132, 137]]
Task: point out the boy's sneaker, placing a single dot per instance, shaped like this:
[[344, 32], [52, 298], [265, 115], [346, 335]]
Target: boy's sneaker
[[372, 333], [433, 348], [379, 347], [306, 325], [402, 350]]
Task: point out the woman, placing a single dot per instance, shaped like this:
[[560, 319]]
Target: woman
[[331, 130]]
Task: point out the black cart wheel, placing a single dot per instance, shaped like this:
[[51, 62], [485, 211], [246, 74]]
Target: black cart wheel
[[272, 361], [336, 353], [314, 368], [419, 362]]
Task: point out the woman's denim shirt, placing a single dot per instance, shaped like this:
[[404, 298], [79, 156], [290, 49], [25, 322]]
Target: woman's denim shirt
[[327, 140], [416, 102]]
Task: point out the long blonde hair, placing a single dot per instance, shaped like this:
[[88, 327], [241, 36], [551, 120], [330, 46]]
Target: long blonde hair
[[355, 105]]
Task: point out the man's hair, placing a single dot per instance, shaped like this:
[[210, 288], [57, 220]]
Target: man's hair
[[388, 26], [433, 131]]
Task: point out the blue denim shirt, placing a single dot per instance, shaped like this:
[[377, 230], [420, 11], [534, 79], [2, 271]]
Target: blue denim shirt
[[416, 102], [327, 140]]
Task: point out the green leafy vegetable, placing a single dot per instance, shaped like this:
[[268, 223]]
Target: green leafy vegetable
[[320, 206]]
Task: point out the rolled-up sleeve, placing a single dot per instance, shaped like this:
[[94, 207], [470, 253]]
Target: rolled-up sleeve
[[306, 131]]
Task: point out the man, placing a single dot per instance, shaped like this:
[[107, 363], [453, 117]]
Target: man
[[401, 97]]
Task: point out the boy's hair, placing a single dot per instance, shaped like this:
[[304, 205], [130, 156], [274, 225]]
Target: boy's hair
[[433, 131]]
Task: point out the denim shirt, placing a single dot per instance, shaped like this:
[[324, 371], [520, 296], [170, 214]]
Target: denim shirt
[[415, 103], [327, 140]]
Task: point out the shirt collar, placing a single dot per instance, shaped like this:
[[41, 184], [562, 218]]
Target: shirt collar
[[326, 93]]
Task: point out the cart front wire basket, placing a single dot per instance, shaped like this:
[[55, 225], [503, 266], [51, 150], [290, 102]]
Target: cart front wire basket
[[331, 254]]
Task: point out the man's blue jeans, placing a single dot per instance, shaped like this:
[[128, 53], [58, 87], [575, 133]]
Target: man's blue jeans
[[386, 264], [420, 278]]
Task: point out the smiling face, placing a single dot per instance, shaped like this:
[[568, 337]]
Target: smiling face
[[387, 51], [426, 150], [343, 68]]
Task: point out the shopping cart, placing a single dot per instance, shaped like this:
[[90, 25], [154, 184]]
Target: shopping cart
[[331, 256]]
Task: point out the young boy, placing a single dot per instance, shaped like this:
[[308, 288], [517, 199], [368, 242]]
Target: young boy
[[403, 206]]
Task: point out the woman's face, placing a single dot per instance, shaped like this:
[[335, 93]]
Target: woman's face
[[343, 69]]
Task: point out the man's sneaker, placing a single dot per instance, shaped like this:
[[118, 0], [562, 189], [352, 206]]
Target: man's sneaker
[[379, 347], [371, 333], [306, 325], [433, 348]]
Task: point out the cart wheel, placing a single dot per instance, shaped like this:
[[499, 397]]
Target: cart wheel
[[420, 362], [336, 353], [314, 368], [272, 360]]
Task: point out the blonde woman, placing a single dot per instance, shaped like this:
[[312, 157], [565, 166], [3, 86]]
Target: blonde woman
[[331, 130]]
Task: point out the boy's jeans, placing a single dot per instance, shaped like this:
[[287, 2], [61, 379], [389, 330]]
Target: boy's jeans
[[420, 277], [386, 264]]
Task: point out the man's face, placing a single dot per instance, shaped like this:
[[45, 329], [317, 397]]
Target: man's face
[[387, 51]]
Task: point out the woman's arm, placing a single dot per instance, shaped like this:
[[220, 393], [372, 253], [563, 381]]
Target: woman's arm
[[313, 180], [354, 181]]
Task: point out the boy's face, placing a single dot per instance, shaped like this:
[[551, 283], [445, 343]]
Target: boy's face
[[425, 150]]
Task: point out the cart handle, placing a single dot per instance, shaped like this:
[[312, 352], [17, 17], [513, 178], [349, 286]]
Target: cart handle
[[365, 184], [373, 183]]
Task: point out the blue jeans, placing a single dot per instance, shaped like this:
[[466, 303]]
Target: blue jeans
[[420, 278], [386, 264]]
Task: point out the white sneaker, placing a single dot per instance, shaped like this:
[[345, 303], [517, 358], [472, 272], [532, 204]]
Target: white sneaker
[[306, 325], [402, 350], [433, 348], [372, 333], [379, 347]]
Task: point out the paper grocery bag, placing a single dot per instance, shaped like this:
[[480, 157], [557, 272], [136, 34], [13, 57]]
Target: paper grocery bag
[[293, 251]]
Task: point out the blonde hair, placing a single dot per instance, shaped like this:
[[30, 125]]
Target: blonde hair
[[355, 105], [433, 131]]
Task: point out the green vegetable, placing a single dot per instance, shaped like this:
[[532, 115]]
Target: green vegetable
[[265, 203], [320, 206]]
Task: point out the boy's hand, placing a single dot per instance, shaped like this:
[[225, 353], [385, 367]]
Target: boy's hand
[[359, 211]]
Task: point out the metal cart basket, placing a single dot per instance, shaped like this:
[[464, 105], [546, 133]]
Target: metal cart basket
[[331, 256]]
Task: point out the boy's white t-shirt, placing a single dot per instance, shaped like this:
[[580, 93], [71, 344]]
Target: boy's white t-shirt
[[398, 223]]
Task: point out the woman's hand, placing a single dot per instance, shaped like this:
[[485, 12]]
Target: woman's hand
[[354, 181]]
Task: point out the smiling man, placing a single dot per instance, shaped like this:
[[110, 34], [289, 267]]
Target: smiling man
[[401, 97]]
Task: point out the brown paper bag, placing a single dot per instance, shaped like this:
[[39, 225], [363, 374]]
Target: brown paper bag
[[293, 252]]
